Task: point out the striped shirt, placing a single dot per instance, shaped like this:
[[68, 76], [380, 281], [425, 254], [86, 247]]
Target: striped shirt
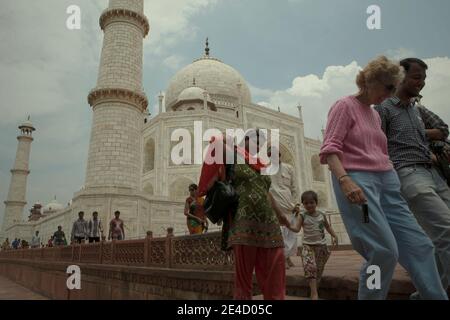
[[80, 229], [354, 134], [404, 126], [95, 228]]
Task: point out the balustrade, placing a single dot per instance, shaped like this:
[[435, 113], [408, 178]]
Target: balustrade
[[200, 252]]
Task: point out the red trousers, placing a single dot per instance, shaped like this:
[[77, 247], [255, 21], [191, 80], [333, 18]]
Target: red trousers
[[269, 266]]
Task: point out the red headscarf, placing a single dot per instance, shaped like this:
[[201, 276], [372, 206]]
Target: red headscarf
[[212, 171]]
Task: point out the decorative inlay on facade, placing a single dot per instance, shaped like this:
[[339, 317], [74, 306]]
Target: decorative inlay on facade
[[138, 100], [15, 203], [115, 15], [21, 171], [287, 142]]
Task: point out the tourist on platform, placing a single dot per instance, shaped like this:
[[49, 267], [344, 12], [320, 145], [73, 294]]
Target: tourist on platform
[[116, 228], [50, 242], [409, 129], [59, 237], [284, 191], [14, 244], [193, 210], [253, 232], [79, 229], [315, 252], [5, 245], [367, 188], [35, 240], [95, 228]]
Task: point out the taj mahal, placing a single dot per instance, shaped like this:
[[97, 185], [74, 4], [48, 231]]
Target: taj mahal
[[129, 167]]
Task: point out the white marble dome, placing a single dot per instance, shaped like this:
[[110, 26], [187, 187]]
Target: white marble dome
[[193, 93], [192, 98], [219, 79], [52, 207]]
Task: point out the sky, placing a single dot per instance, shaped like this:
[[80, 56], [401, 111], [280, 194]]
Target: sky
[[290, 52]]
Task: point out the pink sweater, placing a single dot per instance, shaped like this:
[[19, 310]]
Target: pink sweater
[[354, 134]]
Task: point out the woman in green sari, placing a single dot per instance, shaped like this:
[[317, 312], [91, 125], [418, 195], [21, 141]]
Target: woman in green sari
[[253, 232]]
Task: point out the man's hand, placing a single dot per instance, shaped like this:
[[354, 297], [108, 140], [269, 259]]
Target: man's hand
[[434, 159]]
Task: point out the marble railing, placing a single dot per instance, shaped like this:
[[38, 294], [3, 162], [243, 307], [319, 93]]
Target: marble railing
[[195, 252]]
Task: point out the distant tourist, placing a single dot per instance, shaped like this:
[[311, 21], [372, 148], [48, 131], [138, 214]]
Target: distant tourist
[[315, 251], [377, 218], [95, 228], [79, 229], [116, 228], [284, 191], [50, 242], [59, 238], [5, 245], [35, 240], [409, 129], [14, 244], [197, 222], [24, 244]]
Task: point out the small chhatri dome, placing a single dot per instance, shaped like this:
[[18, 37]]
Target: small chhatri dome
[[27, 125], [52, 207], [193, 93]]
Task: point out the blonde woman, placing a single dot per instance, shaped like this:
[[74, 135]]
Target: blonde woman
[[377, 218]]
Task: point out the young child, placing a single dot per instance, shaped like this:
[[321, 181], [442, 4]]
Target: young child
[[315, 252]]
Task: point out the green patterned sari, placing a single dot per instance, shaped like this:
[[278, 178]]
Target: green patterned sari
[[254, 224]]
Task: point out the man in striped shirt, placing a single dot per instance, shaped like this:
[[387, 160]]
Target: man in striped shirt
[[409, 128], [80, 229]]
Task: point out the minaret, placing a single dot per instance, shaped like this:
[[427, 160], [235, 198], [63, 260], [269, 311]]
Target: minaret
[[118, 101], [300, 111], [18, 187], [160, 99]]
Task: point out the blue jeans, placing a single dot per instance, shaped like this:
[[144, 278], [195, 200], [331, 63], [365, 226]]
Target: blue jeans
[[428, 197], [392, 235]]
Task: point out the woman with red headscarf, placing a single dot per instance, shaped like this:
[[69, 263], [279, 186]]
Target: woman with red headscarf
[[253, 231]]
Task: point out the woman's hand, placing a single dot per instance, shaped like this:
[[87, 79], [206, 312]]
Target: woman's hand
[[352, 191]]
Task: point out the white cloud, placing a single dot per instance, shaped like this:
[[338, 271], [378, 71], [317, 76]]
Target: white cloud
[[174, 62], [436, 94], [170, 22], [41, 59], [317, 93], [400, 53]]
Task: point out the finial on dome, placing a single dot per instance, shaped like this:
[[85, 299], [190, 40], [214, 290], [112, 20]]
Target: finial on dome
[[207, 48]]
